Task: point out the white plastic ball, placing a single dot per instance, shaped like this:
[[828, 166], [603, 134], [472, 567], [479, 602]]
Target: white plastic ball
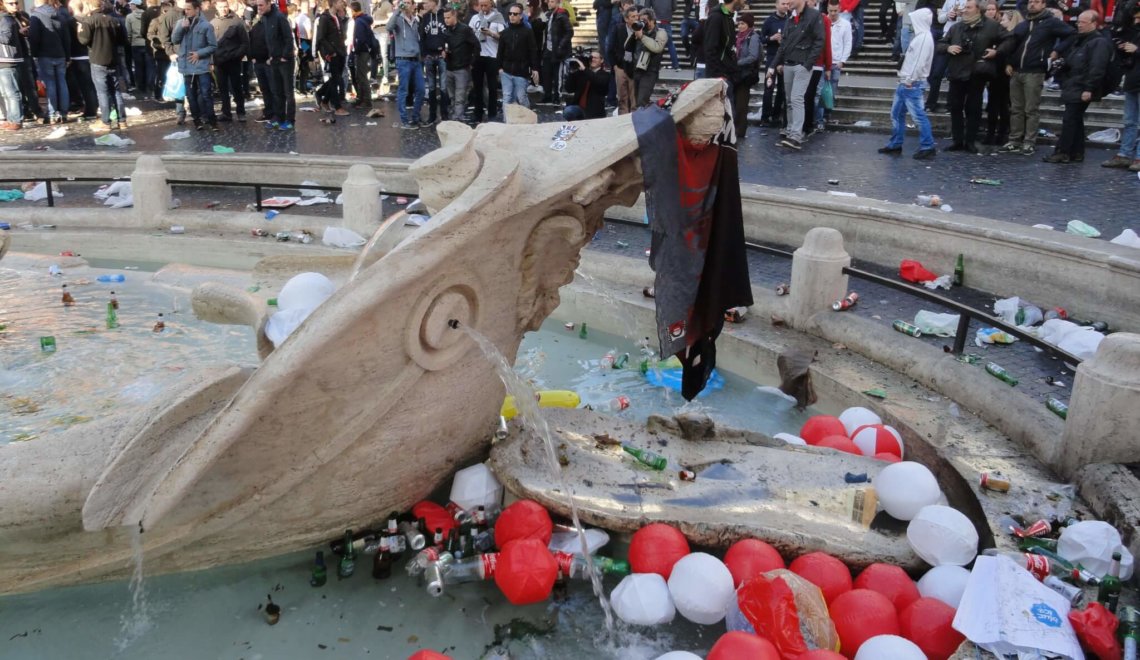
[[702, 588], [305, 291], [853, 418], [943, 536], [894, 647], [790, 439], [679, 655], [476, 486], [643, 599], [946, 583], [905, 487]]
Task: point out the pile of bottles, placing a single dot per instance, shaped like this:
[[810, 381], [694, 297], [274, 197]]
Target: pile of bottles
[[466, 553]]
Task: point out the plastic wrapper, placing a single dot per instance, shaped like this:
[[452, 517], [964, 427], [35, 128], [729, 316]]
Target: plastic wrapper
[[913, 271], [1096, 628], [789, 611], [993, 336], [933, 323]]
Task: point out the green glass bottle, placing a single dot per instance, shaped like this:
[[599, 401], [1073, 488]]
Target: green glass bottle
[[618, 567], [582, 332], [652, 459], [959, 270], [1108, 593], [112, 316], [1034, 542], [1057, 407], [621, 361], [1001, 374], [320, 571], [347, 565]]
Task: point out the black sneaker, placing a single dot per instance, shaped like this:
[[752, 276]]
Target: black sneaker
[[198, 125], [241, 118], [791, 144], [890, 150], [924, 154], [225, 118], [214, 127]]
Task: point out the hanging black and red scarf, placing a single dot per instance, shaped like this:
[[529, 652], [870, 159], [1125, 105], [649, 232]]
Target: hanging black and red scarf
[[692, 197]]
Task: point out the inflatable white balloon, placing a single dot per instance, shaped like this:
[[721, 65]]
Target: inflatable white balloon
[[790, 439], [702, 588], [943, 536], [475, 486], [882, 647], [853, 418], [643, 599], [679, 655], [946, 583], [904, 488]]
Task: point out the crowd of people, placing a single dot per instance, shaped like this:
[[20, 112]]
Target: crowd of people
[[469, 59]]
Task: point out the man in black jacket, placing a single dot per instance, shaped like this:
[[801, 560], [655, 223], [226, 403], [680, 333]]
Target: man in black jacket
[[233, 45], [1028, 53], [555, 48], [518, 58], [331, 49], [433, 38], [799, 50], [771, 34], [460, 51], [1086, 64], [620, 47], [972, 44], [279, 40], [104, 36], [719, 41], [588, 87]]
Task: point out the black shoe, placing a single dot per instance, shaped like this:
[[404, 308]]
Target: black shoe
[[263, 119], [924, 154], [198, 125], [241, 118], [225, 118], [214, 127], [1056, 158], [890, 150], [790, 144], [181, 119], [957, 147]]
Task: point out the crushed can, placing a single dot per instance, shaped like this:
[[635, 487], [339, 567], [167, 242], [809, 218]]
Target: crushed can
[[846, 303], [994, 482], [281, 236], [258, 232], [783, 289]]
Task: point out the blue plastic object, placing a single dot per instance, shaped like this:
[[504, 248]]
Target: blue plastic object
[[671, 378], [117, 277]]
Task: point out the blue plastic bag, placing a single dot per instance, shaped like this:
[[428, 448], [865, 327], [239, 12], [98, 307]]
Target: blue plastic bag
[[175, 87], [671, 378]]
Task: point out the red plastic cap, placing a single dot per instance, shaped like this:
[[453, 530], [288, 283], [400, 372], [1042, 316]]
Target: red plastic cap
[[737, 645], [655, 548], [892, 582], [525, 519], [927, 623], [820, 426], [748, 558], [859, 615], [824, 571], [526, 571]]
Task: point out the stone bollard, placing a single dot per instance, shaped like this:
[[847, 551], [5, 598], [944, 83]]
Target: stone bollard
[[150, 191], [817, 275], [361, 196], [1103, 411]]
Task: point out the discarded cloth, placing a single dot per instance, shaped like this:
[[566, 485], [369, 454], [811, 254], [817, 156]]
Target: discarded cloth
[[11, 195]]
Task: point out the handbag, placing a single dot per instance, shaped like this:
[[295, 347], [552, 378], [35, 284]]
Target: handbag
[[985, 70], [827, 95], [175, 87]]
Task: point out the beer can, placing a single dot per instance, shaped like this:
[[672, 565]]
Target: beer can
[[258, 232], [783, 288], [846, 303], [177, 229], [568, 325], [282, 236], [907, 328], [994, 482]]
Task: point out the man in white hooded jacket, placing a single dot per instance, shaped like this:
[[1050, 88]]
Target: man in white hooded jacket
[[911, 90]]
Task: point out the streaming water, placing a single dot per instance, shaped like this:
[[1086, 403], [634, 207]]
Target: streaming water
[[136, 620], [532, 417]]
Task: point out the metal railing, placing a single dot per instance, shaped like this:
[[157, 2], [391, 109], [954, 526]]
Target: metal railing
[[257, 187], [965, 312]]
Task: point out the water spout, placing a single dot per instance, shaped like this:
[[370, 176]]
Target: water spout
[[453, 324]]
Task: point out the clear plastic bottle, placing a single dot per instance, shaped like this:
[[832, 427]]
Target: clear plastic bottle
[[1042, 565]]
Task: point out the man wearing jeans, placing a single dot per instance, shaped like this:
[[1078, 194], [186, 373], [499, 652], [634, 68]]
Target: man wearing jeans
[[909, 95], [461, 50], [663, 10], [11, 114], [404, 26], [800, 48], [1028, 54], [50, 42], [104, 37], [518, 58], [194, 37], [1127, 43]]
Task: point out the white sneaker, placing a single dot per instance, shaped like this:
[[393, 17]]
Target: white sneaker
[[756, 116], [534, 89]]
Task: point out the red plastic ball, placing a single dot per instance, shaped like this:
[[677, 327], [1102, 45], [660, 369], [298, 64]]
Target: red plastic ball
[[655, 548], [821, 654], [824, 571], [525, 519], [737, 645], [435, 517], [526, 571], [428, 654], [888, 457], [820, 426], [927, 623], [892, 582], [841, 443], [859, 615], [748, 558]]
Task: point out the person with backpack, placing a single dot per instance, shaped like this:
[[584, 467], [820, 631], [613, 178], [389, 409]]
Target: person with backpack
[[1085, 67], [748, 60], [1127, 42], [555, 48]]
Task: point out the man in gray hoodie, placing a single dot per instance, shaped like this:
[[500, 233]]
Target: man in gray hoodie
[[404, 26], [194, 37]]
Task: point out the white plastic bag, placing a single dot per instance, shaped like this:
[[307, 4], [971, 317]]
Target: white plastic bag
[[1081, 343], [1054, 330], [302, 294], [113, 189], [933, 323], [1006, 309], [1081, 229], [178, 135], [941, 282], [1127, 237], [311, 192], [39, 191], [1091, 543], [1106, 136], [341, 237]]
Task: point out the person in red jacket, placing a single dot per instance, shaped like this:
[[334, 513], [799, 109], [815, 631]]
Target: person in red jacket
[[854, 11], [822, 64]]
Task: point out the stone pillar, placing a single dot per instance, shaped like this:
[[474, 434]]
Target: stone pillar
[[150, 190], [1103, 412], [817, 275], [361, 196]]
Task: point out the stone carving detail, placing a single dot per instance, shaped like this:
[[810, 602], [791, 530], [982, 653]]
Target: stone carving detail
[[549, 259]]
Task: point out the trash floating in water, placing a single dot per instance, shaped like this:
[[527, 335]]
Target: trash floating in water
[[985, 182], [222, 149]]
